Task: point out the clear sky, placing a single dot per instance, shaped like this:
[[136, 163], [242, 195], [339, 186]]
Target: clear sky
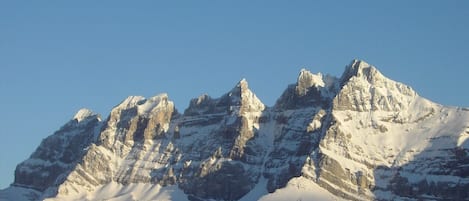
[[59, 56]]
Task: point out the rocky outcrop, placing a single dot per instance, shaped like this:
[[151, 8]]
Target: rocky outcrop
[[311, 90], [364, 88], [361, 136], [225, 156], [58, 154]]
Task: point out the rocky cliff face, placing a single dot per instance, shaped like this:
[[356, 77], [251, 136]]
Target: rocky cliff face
[[58, 154], [361, 136]]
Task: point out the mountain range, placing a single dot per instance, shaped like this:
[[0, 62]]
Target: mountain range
[[360, 136]]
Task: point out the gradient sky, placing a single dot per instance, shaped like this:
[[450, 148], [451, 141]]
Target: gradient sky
[[59, 56]]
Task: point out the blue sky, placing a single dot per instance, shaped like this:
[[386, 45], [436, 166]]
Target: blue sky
[[59, 56]]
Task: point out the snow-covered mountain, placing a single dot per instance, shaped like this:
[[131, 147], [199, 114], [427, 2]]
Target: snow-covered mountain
[[358, 137]]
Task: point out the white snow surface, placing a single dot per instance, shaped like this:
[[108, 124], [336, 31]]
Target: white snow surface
[[144, 105], [391, 127], [131, 192], [83, 114], [299, 188], [397, 144], [326, 84], [154, 103], [249, 98], [315, 79]]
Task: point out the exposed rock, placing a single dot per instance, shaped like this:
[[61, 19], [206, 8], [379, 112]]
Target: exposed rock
[[361, 137], [58, 154]]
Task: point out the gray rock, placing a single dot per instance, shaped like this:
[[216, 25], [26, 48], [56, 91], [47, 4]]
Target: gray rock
[[221, 147]]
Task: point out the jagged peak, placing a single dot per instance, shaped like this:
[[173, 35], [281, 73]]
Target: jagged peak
[[144, 105], [385, 94], [129, 102], [316, 78], [368, 72], [309, 90], [361, 69], [306, 80], [243, 83], [83, 114], [159, 97], [241, 87], [240, 95], [199, 105], [202, 98]]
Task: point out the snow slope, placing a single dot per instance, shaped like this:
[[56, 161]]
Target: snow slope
[[300, 188], [131, 192], [362, 136]]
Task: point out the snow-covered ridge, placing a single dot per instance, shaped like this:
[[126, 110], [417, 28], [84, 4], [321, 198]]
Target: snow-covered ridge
[[83, 114], [129, 102], [359, 68], [146, 106], [240, 99], [307, 80], [362, 136], [364, 88]]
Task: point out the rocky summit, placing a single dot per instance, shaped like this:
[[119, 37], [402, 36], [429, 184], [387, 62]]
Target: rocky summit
[[360, 136]]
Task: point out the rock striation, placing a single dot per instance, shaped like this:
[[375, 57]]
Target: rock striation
[[360, 136]]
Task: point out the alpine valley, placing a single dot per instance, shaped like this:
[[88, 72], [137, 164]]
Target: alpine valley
[[360, 136]]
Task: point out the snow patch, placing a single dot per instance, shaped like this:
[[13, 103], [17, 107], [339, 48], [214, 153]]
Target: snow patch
[[83, 114], [300, 188], [114, 191]]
